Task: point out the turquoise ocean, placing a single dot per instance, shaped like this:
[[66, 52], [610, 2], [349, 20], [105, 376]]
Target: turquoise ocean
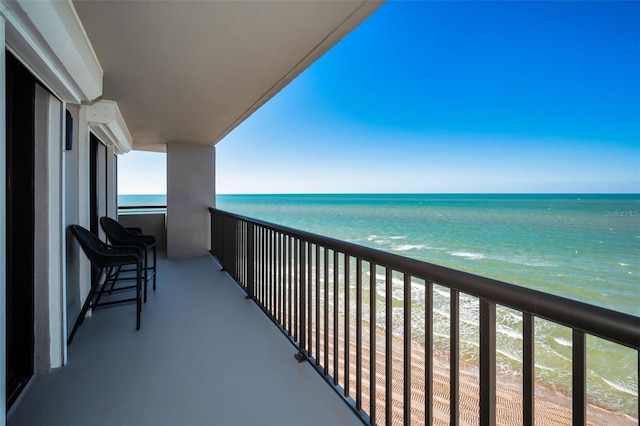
[[584, 247]]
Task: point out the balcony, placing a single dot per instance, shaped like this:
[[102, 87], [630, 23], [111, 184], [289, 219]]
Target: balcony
[[204, 355], [207, 355]]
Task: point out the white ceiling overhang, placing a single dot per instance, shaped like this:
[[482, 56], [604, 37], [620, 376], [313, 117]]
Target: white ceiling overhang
[[190, 72]]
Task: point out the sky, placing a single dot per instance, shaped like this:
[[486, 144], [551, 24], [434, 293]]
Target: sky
[[450, 97]]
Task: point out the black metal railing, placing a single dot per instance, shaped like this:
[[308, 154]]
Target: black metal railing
[[360, 333], [143, 207], [158, 208]]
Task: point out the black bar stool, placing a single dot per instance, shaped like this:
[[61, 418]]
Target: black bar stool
[[118, 235], [104, 258]]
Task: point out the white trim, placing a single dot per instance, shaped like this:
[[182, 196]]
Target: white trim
[[41, 344], [102, 182], [72, 253], [84, 214], [63, 233], [48, 286], [49, 36], [106, 121], [43, 187], [112, 184], [56, 224], [3, 345]]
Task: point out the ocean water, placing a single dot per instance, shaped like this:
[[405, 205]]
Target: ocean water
[[143, 201], [584, 247]]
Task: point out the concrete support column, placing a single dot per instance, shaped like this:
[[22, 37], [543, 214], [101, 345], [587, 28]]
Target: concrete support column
[[190, 192]]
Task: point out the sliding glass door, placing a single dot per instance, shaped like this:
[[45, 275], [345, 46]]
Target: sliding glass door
[[20, 128]]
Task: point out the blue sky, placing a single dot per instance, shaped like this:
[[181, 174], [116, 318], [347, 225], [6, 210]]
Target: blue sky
[[453, 97]]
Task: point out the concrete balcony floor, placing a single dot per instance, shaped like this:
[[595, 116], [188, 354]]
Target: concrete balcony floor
[[203, 356]]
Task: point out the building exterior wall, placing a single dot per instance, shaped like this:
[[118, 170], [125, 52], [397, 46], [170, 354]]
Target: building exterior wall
[[151, 224], [51, 43]]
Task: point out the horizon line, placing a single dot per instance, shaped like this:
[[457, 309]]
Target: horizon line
[[409, 193]]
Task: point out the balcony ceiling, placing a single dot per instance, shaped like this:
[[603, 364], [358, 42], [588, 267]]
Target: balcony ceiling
[[190, 72]]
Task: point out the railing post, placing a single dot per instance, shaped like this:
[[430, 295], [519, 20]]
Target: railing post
[[317, 304], [251, 267], [454, 358], [428, 353], [336, 339], [326, 311], [579, 364], [528, 370], [347, 326], [407, 348], [223, 243], [372, 343], [302, 305], [358, 334], [212, 232], [388, 349], [487, 363]]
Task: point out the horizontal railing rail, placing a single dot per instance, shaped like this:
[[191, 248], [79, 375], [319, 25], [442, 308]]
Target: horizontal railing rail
[[160, 206], [315, 288]]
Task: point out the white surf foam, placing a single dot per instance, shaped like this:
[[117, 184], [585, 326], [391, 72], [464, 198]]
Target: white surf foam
[[467, 255], [563, 342], [620, 387], [407, 247]]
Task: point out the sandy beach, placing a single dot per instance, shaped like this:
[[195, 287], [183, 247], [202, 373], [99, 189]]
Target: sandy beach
[[551, 407]]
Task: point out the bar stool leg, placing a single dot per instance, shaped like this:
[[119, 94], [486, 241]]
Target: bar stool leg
[[138, 294], [146, 273], [155, 268], [85, 307]]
